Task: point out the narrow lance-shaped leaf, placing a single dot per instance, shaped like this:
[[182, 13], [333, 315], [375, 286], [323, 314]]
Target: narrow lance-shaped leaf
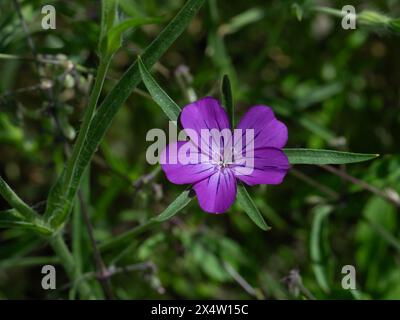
[[16, 202], [12, 221], [316, 245], [320, 156], [17, 261], [242, 20], [177, 205], [59, 205], [114, 36], [250, 208], [227, 99], [108, 17], [170, 108], [298, 10]]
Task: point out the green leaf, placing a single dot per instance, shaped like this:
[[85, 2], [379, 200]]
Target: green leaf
[[250, 208], [126, 236], [177, 205], [319, 130], [60, 200], [298, 11], [227, 99], [316, 245], [108, 14], [108, 17], [394, 25], [284, 109], [320, 156], [114, 36], [170, 108], [15, 262], [16, 202], [11, 212], [318, 94], [12, 221], [243, 19]]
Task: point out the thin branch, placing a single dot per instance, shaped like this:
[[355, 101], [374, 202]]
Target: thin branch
[[295, 285], [102, 272], [135, 184], [112, 271], [31, 44], [345, 176], [242, 282], [384, 233], [314, 183], [68, 64]]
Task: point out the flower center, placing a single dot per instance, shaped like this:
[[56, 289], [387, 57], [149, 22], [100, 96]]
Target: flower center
[[221, 165]]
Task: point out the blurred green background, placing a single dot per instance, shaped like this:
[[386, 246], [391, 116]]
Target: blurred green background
[[334, 88]]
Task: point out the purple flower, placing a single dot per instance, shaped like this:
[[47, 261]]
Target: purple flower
[[213, 174]]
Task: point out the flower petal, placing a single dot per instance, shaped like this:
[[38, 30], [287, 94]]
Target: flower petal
[[206, 113], [184, 172], [268, 131], [216, 193], [269, 167]]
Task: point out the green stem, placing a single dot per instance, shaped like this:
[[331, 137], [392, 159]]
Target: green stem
[[16, 202], [72, 270], [87, 118], [331, 11]]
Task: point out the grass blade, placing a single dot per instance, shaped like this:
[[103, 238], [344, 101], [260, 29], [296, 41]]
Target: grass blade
[[170, 108], [250, 208], [114, 36], [227, 99], [177, 205], [320, 156], [242, 20], [316, 245]]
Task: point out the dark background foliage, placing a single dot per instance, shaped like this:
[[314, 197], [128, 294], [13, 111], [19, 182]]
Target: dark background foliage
[[334, 88]]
